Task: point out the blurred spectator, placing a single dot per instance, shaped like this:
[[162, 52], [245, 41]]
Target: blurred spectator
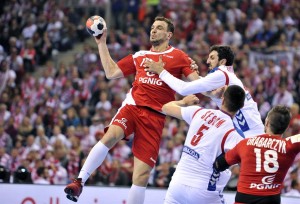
[[283, 96], [7, 76], [4, 158], [5, 139], [295, 189], [28, 53], [117, 176], [232, 36], [294, 126], [42, 176], [4, 113]]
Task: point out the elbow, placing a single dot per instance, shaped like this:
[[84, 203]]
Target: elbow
[[109, 76]]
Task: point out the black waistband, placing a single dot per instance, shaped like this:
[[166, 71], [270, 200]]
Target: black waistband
[[251, 199]]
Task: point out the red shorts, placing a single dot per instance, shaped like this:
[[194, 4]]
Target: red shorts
[[147, 126]]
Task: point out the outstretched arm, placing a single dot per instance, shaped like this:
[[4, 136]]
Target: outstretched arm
[[210, 82], [173, 108], [112, 70]]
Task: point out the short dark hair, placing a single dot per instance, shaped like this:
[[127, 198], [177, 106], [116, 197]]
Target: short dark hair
[[224, 52], [171, 27], [234, 98], [279, 118]]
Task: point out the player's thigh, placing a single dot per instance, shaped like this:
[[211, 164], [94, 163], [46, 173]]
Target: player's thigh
[[176, 194], [181, 194], [205, 196], [147, 136]]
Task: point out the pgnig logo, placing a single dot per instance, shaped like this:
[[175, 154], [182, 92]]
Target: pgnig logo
[[122, 122], [266, 183]]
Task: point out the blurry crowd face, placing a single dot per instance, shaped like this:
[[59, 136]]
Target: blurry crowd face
[[159, 33]]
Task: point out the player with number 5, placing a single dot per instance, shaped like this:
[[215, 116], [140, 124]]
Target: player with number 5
[[211, 132]]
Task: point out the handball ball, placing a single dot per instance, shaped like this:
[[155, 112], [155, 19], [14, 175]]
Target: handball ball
[[95, 25]]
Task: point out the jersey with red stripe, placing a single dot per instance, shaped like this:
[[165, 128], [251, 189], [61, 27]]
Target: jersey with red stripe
[[148, 89], [210, 132], [247, 119], [265, 160]]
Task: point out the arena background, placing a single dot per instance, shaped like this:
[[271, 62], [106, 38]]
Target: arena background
[[51, 79]]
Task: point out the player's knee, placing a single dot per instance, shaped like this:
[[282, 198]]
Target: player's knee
[[141, 178], [112, 136]]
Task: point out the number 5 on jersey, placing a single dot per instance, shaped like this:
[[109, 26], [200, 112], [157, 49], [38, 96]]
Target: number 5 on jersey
[[196, 138]]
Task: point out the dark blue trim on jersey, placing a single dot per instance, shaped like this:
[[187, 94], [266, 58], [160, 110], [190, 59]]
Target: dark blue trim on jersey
[[241, 133], [213, 70], [212, 183], [242, 121]]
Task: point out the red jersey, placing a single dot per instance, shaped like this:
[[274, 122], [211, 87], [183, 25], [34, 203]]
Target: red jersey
[[265, 160], [148, 89]]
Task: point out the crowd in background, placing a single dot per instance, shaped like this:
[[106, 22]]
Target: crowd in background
[[50, 121]]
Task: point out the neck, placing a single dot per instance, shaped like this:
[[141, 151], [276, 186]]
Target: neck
[[224, 110], [160, 48]]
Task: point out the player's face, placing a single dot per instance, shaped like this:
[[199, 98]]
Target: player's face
[[212, 60], [159, 33]]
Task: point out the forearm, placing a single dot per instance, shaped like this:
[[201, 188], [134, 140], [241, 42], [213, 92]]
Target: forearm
[[220, 163], [185, 88], [110, 67]]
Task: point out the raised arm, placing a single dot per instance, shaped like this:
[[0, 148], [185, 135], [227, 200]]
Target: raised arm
[[112, 70], [173, 108]]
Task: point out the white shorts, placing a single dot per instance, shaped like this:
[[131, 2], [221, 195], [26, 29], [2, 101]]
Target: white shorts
[[182, 194]]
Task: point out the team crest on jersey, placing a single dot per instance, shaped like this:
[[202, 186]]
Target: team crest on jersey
[[242, 121]]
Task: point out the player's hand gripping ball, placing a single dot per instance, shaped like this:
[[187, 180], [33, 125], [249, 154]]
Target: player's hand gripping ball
[[95, 25]]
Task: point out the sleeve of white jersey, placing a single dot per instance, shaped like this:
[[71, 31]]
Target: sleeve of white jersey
[[210, 82], [188, 112], [232, 140]]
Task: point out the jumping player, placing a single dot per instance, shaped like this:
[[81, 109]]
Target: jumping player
[[141, 110]]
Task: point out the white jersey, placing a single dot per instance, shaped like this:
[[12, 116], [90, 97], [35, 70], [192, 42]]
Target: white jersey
[[211, 133], [247, 119]]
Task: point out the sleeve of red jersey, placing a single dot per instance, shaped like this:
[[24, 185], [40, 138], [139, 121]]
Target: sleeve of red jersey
[[186, 65], [127, 65], [233, 156], [295, 140]]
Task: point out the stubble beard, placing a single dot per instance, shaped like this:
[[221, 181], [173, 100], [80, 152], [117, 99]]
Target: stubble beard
[[155, 43]]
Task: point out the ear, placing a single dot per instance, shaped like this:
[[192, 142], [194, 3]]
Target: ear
[[222, 62], [170, 34]]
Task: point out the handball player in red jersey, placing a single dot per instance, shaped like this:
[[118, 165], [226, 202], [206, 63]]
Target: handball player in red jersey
[[264, 160], [140, 113]]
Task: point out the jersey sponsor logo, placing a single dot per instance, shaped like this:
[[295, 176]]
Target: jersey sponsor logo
[[212, 184], [266, 183], [191, 152], [242, 121], [149, 80], [268, 179], [122, 122]]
